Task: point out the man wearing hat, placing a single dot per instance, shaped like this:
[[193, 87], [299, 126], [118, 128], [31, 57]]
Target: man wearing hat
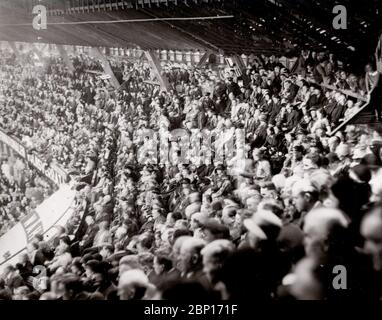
[[376, 146], [214, 230], [214, 255], [316, 98], [232, 87], [290, 89], [135, 285], [196, 222], [305, 198], [194, 204], [263, 230], [187, 253], [295, 159], [106, 250], [263, 226], [293, 116], [90, 233], [221, 183], [275, 108], [260, 134], [72, 288]]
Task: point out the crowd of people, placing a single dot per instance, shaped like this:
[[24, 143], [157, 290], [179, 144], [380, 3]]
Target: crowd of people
[[270, 219], [22, 189]]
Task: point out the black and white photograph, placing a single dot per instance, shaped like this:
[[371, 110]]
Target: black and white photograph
[[219, 151]]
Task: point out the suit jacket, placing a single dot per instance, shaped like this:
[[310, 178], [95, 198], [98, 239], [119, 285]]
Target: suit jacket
[[316, 101], [91, 233], [337, 113], [261, 135], [293, 119], [274, 111], [14, 281]]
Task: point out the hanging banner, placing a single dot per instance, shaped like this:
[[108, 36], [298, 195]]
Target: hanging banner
[[13, 143], [51, 171]]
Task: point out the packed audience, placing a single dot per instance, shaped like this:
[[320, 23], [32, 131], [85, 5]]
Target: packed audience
[[270, 220], [22, 189]]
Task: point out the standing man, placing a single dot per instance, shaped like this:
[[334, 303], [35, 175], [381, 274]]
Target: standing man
[[374, 90]]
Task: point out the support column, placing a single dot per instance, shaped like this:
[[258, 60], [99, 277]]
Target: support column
[[239, 63], [378, 55], [157, 69], [37, 52], [12, 45], [203, 60], [65, 57], [105, 65]]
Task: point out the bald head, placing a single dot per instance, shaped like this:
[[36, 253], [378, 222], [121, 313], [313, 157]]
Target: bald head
[[304, 194], [321, 228], [189, 258], [178, 244]]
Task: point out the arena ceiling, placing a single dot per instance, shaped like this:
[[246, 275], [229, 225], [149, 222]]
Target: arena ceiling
[[257, 26]]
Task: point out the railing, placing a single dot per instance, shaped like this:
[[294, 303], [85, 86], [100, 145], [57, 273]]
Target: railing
[[347, 93], [85, 6], [347, 121], [53, 211], [15, 241]]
